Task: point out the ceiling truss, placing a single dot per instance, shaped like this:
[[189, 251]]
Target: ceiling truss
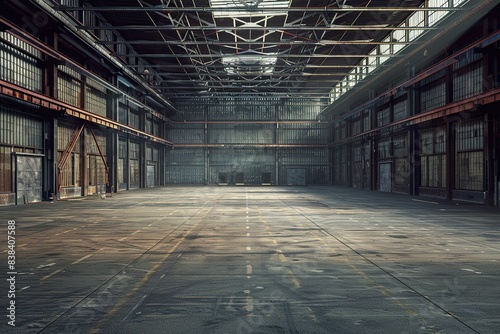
[[233, 47]]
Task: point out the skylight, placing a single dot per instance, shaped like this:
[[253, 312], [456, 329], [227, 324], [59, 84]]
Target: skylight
[[249, 64], [247, 8]]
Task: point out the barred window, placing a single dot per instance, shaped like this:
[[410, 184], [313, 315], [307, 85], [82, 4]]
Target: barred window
[[122, 113], [402, 171], [148, 126], [400, 146], [134, 120], [400, 111], [69, 87], [95, 97], [433, 171], [134, 151], [20, 129], [433, 95], [433, 141], [366, 122], [433, 158], [468, 81], [469, 135], [469, 170], [384, 117], [19, 63], [469, 163], [384, 148]]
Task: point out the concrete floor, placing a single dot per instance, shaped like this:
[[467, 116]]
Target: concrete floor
[[253, 260]]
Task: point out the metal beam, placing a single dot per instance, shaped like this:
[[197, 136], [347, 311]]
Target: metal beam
[[280, 56], [278, 74], [248, 81], [171, 27], [263, 11], [267, 43], [307, 66]]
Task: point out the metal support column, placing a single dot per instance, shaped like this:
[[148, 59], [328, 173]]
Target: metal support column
[[489, 168]]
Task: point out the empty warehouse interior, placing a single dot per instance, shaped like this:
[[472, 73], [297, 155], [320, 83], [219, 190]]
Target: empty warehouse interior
[[250, 166]]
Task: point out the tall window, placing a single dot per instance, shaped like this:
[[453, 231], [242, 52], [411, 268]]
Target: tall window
[[19, 63], [469, 164], [433, 158]]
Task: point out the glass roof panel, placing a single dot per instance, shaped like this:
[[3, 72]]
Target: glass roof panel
[[247, 8]]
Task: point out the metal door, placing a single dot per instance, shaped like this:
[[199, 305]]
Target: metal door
[[28, 178], [385, 178], [150, 177]]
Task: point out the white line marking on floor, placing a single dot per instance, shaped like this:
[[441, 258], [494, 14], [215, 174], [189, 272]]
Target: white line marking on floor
[[420, 200], [51, 274], [249, 269], [82, 258], [249, 248]]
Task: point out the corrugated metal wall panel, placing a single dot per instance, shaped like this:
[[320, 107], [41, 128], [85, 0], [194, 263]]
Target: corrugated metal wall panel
[[303, 134]]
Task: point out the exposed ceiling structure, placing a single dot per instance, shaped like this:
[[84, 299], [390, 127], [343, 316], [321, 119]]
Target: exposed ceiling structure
[[246, 47]]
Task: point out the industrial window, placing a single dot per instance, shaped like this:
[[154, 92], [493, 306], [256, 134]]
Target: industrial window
[[433, 141], [401, 171], [92, 145], [468, 81], [356, 127], [433, 95], [156, 129], [134, 151], [469, 171], [69, 86], [19, 63], [469, 163], [95, 97], [122, 174], [417, 19], [401, 165], [340, 165], [122, 149], [366, 122], [20, 129], [400, 111], [433, 158], [148, 125], [122, 113], [70, 174], [95, 165], [384, 117], [384, 149], [433, 171], [134, 120], [469, 135], [436, 16], [399, 36], [357, 167], [134, 165], [400, 146]]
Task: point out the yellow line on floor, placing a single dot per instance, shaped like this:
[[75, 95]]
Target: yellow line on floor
[[139, 284]]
